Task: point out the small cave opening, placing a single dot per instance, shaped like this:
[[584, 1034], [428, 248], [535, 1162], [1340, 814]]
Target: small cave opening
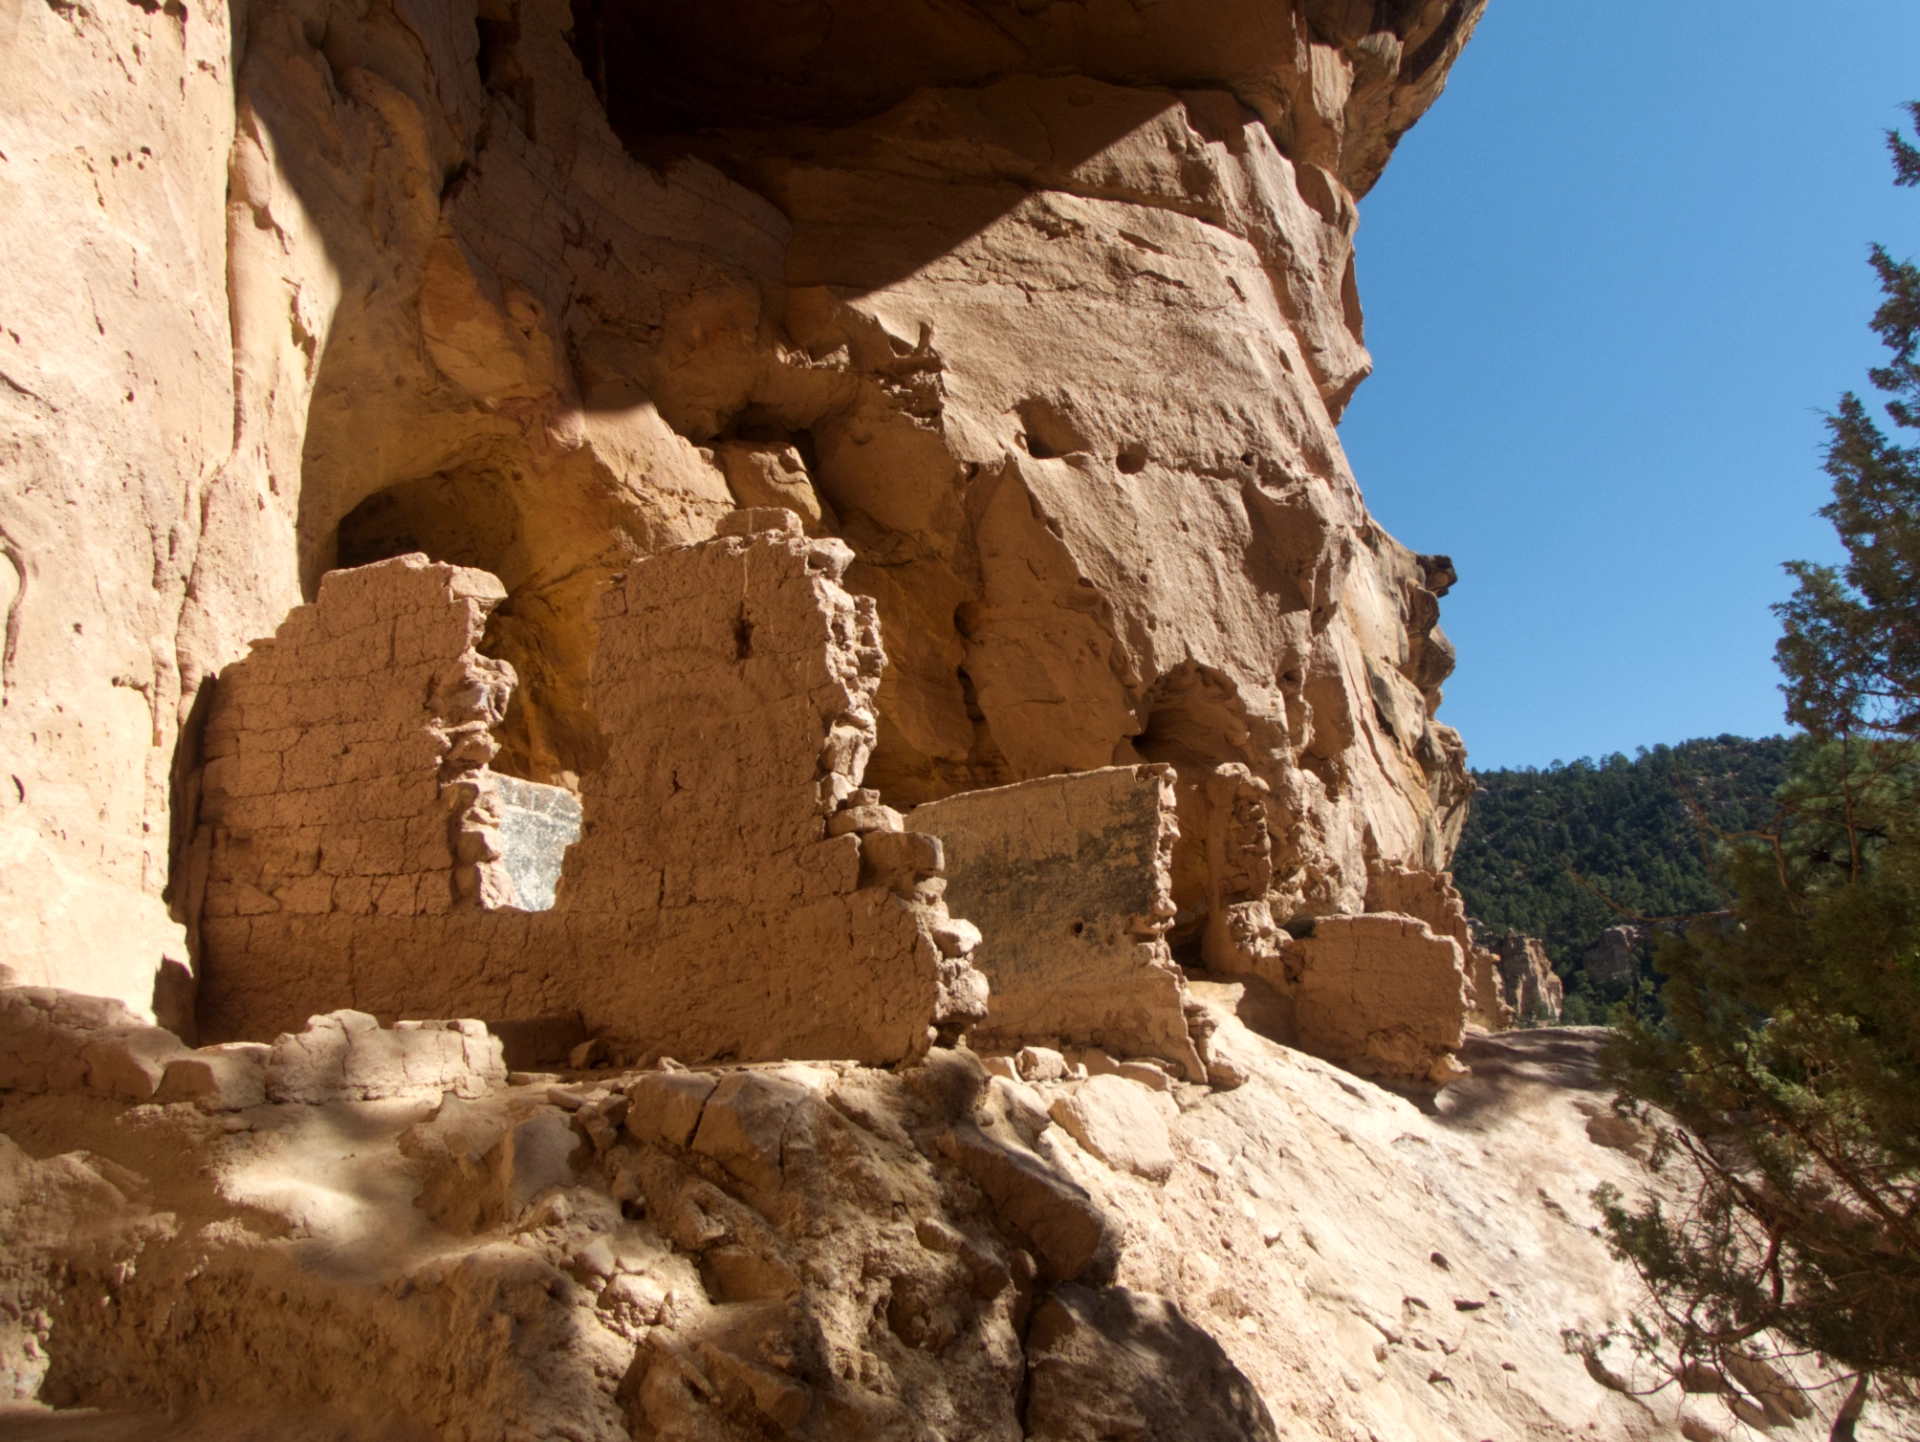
[[476, 518], [1195, 720], [1049, 430]]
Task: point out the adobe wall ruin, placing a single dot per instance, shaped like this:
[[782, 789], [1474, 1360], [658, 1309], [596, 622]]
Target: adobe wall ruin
[[1068, 880], [1383, 995], [1071, 882], [1049, 317], [732, 890], [346, 759], [353, 829], [1432, 897]]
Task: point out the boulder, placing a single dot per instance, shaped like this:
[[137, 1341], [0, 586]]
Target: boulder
[[1612, 959], [1068, 1233], [55, 1041], [1116, 1363], [484, 1166], [1119, 1123], [744, 1124], [664, 1107]]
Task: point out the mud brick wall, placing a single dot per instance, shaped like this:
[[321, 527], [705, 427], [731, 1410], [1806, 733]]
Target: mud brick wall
[[1432, 897], [342, 754], [735, 681], [1068, 879], [1383, 995], [704, 913]]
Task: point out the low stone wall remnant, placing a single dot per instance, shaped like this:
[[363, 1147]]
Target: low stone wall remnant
[[1067, 878], [1432, 897], [1382, 995]]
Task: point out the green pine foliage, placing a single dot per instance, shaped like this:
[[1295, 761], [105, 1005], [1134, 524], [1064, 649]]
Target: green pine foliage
[[1782, 1078], [1545, 851], [1786, 1073]]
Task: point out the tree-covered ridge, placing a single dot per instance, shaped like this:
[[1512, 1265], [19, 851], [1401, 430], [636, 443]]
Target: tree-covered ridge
[[1620, 825]]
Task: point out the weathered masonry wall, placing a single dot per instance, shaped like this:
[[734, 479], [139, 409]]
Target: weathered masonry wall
[[1068, 879], [346, 758], [1431, 897], [1383, 995], [360, 853], [1072, 883]]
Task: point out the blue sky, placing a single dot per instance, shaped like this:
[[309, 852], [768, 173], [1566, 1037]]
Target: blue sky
[[1613, 280]]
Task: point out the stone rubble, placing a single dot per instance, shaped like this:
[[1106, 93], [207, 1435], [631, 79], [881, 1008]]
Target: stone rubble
[[823, 1250]]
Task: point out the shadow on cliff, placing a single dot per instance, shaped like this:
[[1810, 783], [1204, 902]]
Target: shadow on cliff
[[448, 286], [665, 68]]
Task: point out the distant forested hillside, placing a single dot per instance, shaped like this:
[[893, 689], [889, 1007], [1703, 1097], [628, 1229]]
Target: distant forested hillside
[[1619, 824]]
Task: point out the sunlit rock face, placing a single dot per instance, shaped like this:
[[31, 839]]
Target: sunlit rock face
[[1047, 310], [757, 439]]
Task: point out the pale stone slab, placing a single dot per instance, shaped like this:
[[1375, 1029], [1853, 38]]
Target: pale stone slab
[[1067, 880]]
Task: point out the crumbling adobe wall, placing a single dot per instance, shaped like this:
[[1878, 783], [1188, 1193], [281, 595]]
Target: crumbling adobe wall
[[346, 757], [735, 683], [1431, 896], [1383, 995], [1057, 349], [1387, 991], [1067, 879], [1071, 881], [353, 856]]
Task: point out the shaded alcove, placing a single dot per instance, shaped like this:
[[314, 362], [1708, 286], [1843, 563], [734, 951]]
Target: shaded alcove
[[1195, 720], [472, 517]]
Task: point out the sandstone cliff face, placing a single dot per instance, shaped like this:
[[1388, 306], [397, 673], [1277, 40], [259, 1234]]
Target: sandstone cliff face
[[1048, 311], [116, 415], [754, 440]]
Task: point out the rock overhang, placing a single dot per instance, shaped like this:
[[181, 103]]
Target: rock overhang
[[1341, 79], [1077, 437]]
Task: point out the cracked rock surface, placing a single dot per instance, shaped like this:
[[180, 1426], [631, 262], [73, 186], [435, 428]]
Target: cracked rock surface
[[829, 1251]]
